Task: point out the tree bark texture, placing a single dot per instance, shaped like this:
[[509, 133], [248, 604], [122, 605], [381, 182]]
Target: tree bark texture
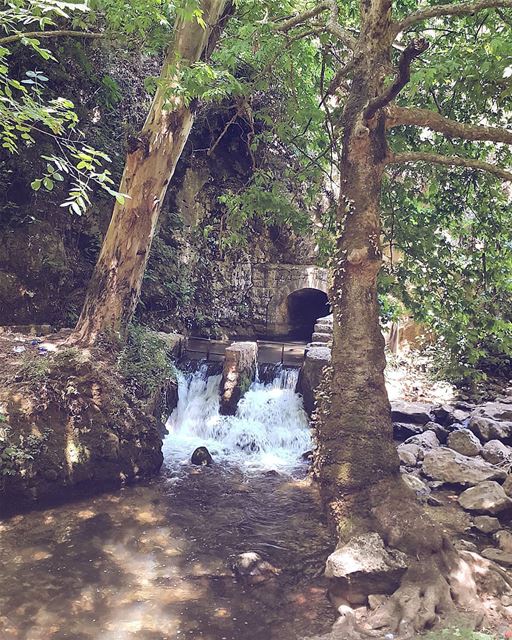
[[354, 428], [115, 285]]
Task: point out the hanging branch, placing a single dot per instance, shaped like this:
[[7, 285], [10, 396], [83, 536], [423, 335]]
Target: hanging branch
[[454, 161]]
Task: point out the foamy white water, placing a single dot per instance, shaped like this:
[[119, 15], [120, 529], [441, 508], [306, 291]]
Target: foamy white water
[[270, 429]]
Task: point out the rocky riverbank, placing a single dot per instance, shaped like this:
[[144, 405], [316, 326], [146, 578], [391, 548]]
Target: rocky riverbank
[[75, 420]]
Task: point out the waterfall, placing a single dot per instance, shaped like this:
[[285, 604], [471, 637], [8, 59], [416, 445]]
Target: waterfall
[[269, 431]]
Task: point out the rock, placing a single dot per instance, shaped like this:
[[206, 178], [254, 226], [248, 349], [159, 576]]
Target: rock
[[497, 555], [488, 429], [402, 430], [494, 411], [504, 540], [448, 414], [411, 412], [239, 369], [465, 545], [311, 374], [452, 467], [426, 440], [201, 457], [414, 483], [486, 524], [441, 432], [487, 497], [507, 485], [496, 452], [375, 600], [409, 454], [307, 456], [251, 567], [434, 502], [363, 565], [465, 442]]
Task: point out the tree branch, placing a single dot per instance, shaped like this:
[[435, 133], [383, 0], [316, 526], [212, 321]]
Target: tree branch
[[454, 161], [398, 116], [49, 34], [301, 18], [458, 9], [414, 49], [332, 25]]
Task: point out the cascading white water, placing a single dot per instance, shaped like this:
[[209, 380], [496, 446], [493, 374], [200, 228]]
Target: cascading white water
[[269, 431]]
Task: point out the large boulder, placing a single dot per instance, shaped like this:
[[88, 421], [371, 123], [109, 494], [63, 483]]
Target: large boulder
[[240, 363], [411, 412], [449, 466], [465, 442], [494, 411], [499, 556], [486, 524], [485, 497], [404, 430], [311, 374], [448, 414], [507, 485], [364, 566], [496, 452], [426, 440], [487, 428]]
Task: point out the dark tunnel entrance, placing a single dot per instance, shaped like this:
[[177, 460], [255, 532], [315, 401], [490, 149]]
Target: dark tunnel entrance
[[305, 306]]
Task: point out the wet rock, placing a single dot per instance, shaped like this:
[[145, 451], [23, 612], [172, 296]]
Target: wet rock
[[507, 485], [426, 440], [465, 442], [363, 566], [495, 411], [311, 374], [486, 497], [452, 467], [402, 430], [307, 456], [201, 457], [239, 369], [499, 556], [496, 452], [251, 567], [409, 454], [486, 524], [411, 412], [504, 540], [488, 429]]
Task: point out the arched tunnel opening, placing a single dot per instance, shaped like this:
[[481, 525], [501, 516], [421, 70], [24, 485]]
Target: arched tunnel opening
[[305, 306]]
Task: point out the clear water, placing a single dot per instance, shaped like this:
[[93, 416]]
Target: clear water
[[154, 561]]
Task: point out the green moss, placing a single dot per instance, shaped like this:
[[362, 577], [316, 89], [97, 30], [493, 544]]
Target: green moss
[[145, 362]]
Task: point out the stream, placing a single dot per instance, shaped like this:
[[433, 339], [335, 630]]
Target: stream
[[155, 561]]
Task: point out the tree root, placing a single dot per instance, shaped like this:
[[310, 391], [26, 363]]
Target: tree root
[[440, 587]]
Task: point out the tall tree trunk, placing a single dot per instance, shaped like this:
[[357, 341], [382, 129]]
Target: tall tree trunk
[[114, 288], [357, 463], [354, 425]]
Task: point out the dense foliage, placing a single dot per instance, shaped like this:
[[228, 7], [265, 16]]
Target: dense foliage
[[448, 229]]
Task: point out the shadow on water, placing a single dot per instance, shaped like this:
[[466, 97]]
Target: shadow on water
[[154, 562]]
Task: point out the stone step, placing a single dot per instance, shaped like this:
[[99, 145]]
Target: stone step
[[321, 337], [323, 328]]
